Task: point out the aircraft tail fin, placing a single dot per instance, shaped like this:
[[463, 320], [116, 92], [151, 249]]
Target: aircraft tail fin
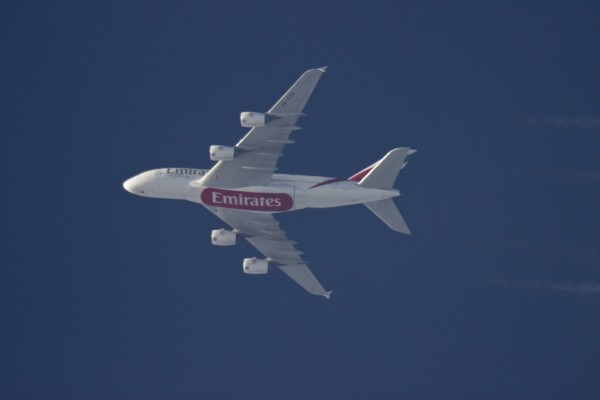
[[383, 173], [387, 211]]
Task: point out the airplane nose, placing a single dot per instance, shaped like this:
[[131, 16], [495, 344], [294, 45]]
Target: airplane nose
[[128, 185]]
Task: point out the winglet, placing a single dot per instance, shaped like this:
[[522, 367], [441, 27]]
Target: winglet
[[328, 294], [302, 275], [323, 69]]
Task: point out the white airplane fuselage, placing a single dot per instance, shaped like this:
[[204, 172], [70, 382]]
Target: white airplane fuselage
[[285, 193]]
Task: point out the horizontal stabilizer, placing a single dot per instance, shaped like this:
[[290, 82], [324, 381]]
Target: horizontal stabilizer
[[387, 211]]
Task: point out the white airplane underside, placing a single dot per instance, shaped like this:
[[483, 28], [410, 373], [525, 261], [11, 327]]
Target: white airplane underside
[[243, 190]]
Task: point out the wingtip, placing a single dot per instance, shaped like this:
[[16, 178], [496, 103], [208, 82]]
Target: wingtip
[[323, 69], [328, 294]]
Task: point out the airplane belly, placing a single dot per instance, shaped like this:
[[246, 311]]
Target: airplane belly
[[339, 194]]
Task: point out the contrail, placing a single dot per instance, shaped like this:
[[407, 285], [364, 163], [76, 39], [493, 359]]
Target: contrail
[[584, 122], [582, 289]]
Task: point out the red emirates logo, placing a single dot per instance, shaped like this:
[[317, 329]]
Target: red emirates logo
[[250, 201]]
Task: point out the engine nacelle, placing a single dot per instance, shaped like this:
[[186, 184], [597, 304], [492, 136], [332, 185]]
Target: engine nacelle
[[223, 237], [252, 119], [255, 266], [221, 153]]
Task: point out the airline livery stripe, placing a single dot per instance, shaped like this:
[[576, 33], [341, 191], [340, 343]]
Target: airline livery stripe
[[327, 182], [358, 177]]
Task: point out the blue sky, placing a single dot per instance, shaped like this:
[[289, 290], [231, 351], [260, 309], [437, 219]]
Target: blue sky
[[495, 295]]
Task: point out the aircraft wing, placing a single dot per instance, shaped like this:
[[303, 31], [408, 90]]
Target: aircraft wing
[[263, 232], [259, 150]]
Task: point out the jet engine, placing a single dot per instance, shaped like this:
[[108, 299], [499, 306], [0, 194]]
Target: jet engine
[[221, 153], [252, 119], [223, 237], [255, 266]]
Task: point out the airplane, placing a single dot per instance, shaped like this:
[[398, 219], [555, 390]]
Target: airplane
[[243, 190]]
